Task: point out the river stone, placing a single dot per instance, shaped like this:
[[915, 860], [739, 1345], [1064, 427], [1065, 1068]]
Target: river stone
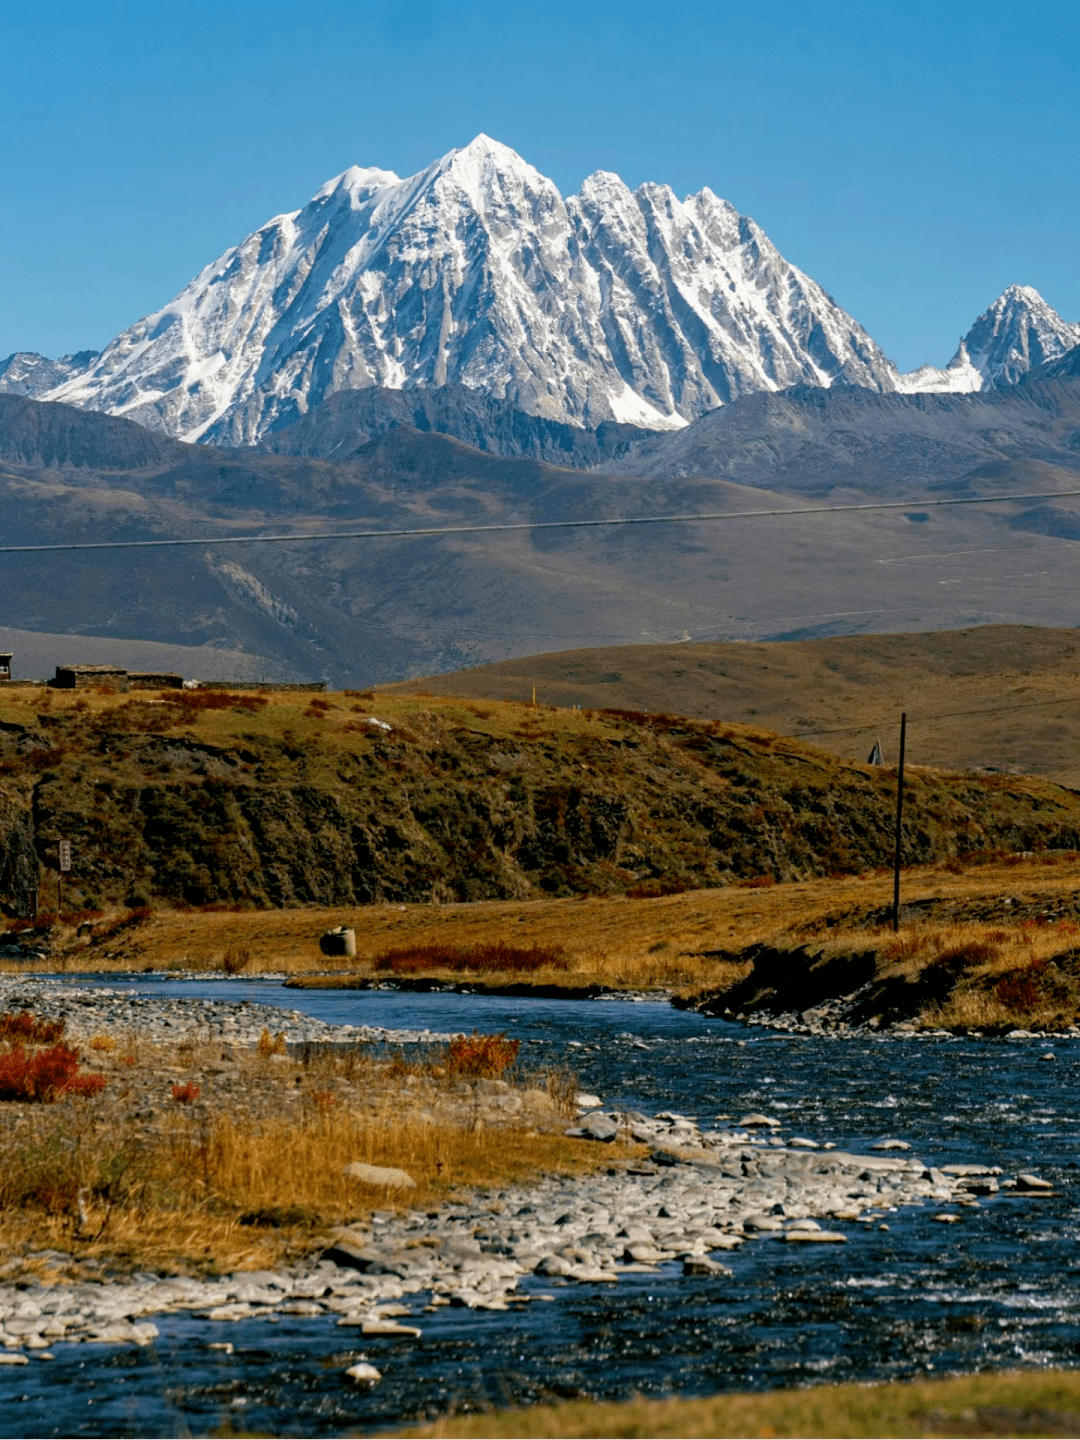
[[643, 1254], [552, 1265], [389, 1327], [1032, 1182], [364, 1375], [384, 1176], [599, 1127], [587, 1102], [7, 1357], [702, 1265], [816, 1237], [890, 1145], [760, 1121]]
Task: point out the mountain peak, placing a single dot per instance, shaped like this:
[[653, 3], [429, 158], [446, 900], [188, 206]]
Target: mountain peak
[[634, 306], [1016, 333], [357, 180]]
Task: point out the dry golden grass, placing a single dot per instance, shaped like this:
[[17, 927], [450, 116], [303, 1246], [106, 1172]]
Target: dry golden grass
[[1019, 1402], [991, 975], [90, 1179], [679, 942]]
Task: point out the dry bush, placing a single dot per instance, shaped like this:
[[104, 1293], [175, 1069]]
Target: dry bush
[[476, 1057], [187, 1093], [654, 889], [25, 1028], [271, 1046], [189, 704], [44, 1075], [235, 959], [493, 956]]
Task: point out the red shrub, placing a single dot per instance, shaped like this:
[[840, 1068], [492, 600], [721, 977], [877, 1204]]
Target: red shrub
[[185, 1094], [476, 1057], [412, 959], [44, 1074], [1022, 989], [654, 889], [26, 1028]]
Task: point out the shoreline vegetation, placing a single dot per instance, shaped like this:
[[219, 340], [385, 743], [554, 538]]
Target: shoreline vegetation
[[200, 1157], [986, 949], [1013, 1402]]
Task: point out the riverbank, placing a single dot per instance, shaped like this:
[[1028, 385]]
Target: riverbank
[[1017, 1402], [987, 948], [210, 1142], [223, 1131]]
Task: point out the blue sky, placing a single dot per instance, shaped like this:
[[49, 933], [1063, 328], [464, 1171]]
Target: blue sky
[[914, 159]]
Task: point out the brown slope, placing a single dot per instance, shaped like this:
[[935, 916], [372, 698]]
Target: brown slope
[[287, 800], [1001, 696]]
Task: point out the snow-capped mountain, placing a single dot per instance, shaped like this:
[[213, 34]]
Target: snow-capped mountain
[[1018, 331], [614, 304], [30, 374]]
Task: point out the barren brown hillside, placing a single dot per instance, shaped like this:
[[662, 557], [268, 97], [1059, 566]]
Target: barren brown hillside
[[1004, 697]]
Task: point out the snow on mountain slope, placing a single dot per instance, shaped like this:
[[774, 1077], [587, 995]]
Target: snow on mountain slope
[[615, 304], [1019, 331], [27, 373]]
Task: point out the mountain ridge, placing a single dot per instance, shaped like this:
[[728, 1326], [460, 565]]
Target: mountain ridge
[[612, 305]]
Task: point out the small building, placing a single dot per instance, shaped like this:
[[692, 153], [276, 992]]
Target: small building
[[77, 677], [5, 665]]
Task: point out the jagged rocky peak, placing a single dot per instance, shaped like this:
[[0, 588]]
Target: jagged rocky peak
[[623, 305], [1018, 332], [612, 305], [28, 373]]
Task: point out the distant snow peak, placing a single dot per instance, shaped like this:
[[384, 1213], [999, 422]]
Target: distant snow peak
[[613, 304], [1016, 333]]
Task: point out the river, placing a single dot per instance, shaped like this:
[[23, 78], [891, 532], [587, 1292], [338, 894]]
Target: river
[[1000, 1288]]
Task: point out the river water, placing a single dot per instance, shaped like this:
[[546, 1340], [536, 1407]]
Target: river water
[[1001, 1288]]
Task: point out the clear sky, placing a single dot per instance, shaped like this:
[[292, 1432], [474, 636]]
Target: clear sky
[[914, 158]]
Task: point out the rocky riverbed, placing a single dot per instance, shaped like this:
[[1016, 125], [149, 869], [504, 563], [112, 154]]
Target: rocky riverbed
[[693, 1195], [96, 1010]]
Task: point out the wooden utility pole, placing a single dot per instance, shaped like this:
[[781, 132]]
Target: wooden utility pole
[[899, 825]]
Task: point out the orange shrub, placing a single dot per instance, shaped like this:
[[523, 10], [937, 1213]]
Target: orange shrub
[[185, 1094], [477, 1057]]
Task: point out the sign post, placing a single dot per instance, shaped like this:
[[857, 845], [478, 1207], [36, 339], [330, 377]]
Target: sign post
[[65, 868]]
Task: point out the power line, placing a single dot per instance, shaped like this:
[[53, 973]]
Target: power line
[[537, 524]]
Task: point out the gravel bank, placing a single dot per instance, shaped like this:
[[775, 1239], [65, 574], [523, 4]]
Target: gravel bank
[[699, 1195]]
